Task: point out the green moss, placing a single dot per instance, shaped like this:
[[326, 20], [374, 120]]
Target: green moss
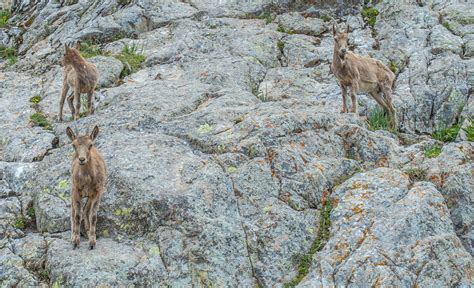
[[20, 222], [63, 184], [122, 212], [323, 235], [232, 169], [124, 2], [393, 66], [447, 134], [205, 128], [35, 99], [470, 131], [432, 151], [416, 174], [8, 54], [39, 119], [370, 15], [326, 18], [131, 58], [31, 212], [154, 251], [89, 49], [4, 16], [377, 119]]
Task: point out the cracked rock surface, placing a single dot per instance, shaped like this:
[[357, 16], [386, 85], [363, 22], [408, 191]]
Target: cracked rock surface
[[225, 144]]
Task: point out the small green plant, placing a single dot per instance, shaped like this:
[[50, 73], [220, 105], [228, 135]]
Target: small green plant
[[205, 128], [326, 18], [377, 119], [31, 212], [4, 16], [317, 245], [267, 16], [124, 2], [89, 49], [39, 119], [280, 28], [416, 174], [393, 67], [131, 58], [9, 54], [370, 15], [35, 99], [470, 131], [446, 25], [447, 134], [280, 45], [20, 222], [432, 151]]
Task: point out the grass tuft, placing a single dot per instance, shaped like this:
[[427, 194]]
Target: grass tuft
[[280, 45], [470, 131], [4, 16], [20, 222], [447, 26], [280, 28], [9, 54], [131, 58], [317, 245], [39, 119], [377, 119], [31, 212], [267, 16], [393, 67], [447, 134], [89, 49], [432, 151]]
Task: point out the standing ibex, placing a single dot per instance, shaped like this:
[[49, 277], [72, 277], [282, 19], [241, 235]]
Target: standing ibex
[[82, 77], [364, 74], [89, 175]]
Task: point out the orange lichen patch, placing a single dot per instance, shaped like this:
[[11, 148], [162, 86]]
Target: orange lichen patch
[[334, 202], [382, 162], [380, 263], [370, 143], [358, 184], [357, 209], [325, 197], [302, 144], [319, 166], [438, 180], [342, 250]]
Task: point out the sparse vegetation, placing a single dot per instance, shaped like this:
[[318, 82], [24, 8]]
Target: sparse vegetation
[[31, 212], [205, 128], [393, 67], [416, 174], [20, 222], [432, 151], [447, 134], [40, 119], [280, 28], [446, 25], [124, 2], [377, 119], [131, 58], [370, 15], [9, 54], [267, 16], [323, 235], [35, 99], [470, 131], [326, 18], [89, 49], [280, 45], [4, 16]]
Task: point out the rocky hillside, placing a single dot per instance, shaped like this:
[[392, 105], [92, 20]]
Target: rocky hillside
[[229, 163]]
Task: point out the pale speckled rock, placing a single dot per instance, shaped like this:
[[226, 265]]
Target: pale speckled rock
[[109, 70], [295, 23], [393, 229], [442, 41]]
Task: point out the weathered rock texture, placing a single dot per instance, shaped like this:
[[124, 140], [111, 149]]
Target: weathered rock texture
[[223, 146]]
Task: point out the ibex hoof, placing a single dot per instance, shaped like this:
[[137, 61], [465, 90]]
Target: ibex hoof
[[91, 246]]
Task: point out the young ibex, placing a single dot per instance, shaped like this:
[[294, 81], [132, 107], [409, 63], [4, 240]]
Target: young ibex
[[81, 76], [362, 74], [89, 175]]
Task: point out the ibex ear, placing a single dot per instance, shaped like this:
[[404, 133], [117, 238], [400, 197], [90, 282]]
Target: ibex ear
[[66, 48], [70, 133], [78, 45], [334, 31], [94, 133]]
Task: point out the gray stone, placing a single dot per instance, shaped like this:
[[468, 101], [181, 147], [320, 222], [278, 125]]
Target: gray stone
[[295, 23], [109, 70]]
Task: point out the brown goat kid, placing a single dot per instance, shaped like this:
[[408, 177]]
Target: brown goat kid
[[81, 76], [89, 176], [362, 74]]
